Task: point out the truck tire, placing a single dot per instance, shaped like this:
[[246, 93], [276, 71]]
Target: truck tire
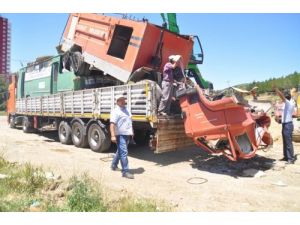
[[65, 133], [98, 138], [78, 137], [26, 125], [79, 67]]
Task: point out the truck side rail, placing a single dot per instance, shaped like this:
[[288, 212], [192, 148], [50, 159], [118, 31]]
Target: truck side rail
[[141, 101]]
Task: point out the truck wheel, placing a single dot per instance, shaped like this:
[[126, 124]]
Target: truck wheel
[[26, 125], [98, 138], [65, 133], [79, 67], [78, 137]]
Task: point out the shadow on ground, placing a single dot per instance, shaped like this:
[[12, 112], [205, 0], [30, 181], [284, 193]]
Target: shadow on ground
[[198, 159], [221, 165], [202, 161]]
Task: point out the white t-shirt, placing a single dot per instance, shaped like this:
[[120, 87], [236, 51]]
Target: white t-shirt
[[288, 110], [121, 117]]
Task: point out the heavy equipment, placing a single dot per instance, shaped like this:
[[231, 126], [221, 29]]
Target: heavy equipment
[[103, 56], [227, 125], [100, 57]]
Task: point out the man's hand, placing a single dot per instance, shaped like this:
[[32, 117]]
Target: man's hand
[[112, 133], [278, 92], [113, 139]]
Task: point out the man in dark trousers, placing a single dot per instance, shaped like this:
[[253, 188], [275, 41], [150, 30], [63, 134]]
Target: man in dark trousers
[[287, 125], [167, 85]]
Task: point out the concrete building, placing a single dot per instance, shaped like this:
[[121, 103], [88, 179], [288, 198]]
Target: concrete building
[[4, 47]]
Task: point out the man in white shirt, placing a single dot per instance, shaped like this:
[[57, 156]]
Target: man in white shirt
[[121, 130], [287, 125]]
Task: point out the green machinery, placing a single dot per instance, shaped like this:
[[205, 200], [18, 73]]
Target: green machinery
[[46, 76]]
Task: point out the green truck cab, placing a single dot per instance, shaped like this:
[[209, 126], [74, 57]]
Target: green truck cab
[[45, 77]]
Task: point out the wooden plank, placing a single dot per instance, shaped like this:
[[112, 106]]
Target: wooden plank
[[170, 148], [175, 147], [296, 136], [171, 135]]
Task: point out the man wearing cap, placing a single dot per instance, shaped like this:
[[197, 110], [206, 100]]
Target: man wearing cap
[[167, 84], [287, 125], [121, 130]]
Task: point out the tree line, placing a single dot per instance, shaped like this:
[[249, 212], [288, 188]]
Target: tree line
[[284, 82]]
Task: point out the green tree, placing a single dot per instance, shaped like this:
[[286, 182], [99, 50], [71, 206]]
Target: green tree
[[283, 82], [3, 94]]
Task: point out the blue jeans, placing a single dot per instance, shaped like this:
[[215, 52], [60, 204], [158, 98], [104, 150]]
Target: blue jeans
[[121, 154], [288, 148]]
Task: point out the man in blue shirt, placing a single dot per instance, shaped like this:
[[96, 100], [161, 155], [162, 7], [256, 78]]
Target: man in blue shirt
[[121, 130], [287, 125]]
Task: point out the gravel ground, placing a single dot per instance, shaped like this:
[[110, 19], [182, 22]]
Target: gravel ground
[[187, 180]]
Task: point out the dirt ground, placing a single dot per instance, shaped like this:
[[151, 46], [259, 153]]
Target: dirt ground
[[187, 180]]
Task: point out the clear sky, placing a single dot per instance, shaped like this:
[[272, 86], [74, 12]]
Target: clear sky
[[238, 48]]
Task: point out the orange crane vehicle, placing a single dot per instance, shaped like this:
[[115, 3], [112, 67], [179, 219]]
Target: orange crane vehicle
[[102, 56]]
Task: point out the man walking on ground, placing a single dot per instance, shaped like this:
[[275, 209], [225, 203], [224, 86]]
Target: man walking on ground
[[287, 125], [167, 85], [121, 131]]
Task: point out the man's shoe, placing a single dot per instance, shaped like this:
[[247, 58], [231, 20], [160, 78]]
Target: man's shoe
[[283, 159], [113, 168], [162, 114], [290, 162], [128, 175]]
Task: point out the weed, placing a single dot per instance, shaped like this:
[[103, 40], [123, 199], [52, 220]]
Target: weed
[[18, 204], [85, 198], [34, 179], [130, 204], [26, 184], [3, 163], [52, 206]]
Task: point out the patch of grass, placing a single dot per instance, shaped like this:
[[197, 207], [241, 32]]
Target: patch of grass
[[84, 197], [26, 185], [16, 205], [21, 180], [52, 206], [3, 164], [130, 204], [25, 179], [3, 113], [34, 179]]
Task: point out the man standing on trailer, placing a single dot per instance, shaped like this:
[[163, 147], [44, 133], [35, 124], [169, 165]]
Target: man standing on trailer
[[167, 85], [287, 125], [121, 131]]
